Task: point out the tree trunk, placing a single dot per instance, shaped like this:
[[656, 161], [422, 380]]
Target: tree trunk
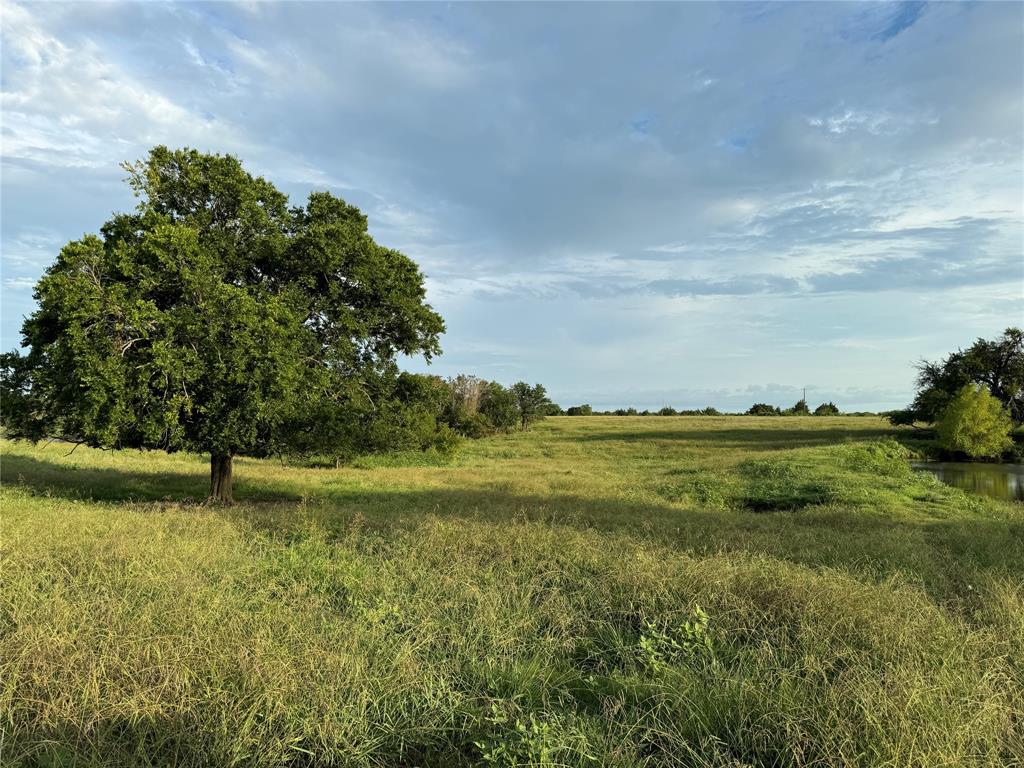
[[220, 478]]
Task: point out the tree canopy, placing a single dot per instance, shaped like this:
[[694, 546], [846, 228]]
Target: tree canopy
[[213, 318]]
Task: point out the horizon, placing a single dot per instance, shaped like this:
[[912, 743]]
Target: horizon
[[722, 206]]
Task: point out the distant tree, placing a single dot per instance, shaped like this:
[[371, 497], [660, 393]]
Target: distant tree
[[499, 406], [213, 318], [800, 408], [975, 423], [709, 411], [996, 364], [530, 401], [668, 410], [551, 409], [579, 410], [826, 409], [763, 409]]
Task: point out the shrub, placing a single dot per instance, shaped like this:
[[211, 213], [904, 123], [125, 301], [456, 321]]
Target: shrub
[[975, 423], [884, 457], [579, 410], [826, 409], [763, 409], [471, 425]]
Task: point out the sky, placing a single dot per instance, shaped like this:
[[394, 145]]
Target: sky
[[633, 204]]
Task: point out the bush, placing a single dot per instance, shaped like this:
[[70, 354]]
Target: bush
[[975, 423], [763, 409], [471, 425], [884, 457], [668, 410], [826, 409]]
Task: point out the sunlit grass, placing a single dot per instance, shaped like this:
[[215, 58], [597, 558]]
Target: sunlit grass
[[598, 591]]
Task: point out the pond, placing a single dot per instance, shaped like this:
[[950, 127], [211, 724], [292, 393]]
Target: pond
[[1000, 481]]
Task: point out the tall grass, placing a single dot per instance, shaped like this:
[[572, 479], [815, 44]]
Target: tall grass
[[659, 592]]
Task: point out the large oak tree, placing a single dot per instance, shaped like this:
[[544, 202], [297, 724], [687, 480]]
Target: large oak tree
[[214, 318]]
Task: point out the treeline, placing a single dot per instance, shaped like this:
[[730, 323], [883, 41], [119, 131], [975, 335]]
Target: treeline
[[474, 407], [799, 409], [399, 412], [757, 409]]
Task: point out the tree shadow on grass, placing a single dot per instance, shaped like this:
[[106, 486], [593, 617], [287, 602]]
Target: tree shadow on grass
[[55, 478], [944, 554]]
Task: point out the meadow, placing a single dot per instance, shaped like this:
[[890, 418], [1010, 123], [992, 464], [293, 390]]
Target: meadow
[[597, 591]]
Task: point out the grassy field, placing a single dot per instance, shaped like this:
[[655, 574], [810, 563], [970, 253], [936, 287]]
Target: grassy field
[[595, 592]]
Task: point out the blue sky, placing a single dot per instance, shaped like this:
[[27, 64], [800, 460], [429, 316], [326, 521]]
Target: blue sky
[[640, 204]]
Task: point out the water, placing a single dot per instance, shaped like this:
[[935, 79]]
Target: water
[[1000, 481]]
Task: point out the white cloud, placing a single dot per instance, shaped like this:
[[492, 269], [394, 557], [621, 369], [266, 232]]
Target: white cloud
[[67, 105], [19, 283], [31, 248], [873, 122]]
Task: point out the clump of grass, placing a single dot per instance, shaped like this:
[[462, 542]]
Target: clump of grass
[[781, 484], [880, 457], [700, 488]]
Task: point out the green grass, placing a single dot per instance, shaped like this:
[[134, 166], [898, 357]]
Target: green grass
[[595, 592]]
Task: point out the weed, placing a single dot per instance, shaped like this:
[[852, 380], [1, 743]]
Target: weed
[[662, 644]]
